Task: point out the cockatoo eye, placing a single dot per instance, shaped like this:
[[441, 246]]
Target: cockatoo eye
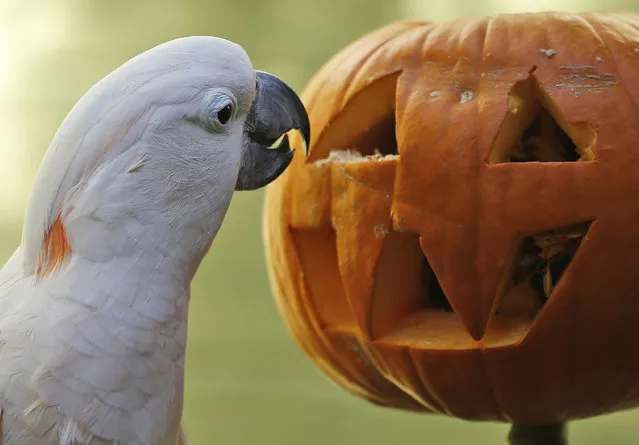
[[218, 110], [224, 115], [223, 111]]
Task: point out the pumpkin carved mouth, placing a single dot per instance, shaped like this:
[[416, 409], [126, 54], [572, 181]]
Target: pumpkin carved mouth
[[540, 263], [408, 298], [405, 283]]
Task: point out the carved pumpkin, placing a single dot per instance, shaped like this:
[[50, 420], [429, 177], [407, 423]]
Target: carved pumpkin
[[462, 238]]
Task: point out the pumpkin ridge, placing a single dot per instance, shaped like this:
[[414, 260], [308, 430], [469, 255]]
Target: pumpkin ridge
[[443, 407], [404, 377], [491, 387], [368, 385], [355, 84], [363, 370], [349, 52], [347, 82], [351, 87], [627, 17], [346, 94], [322, 344], [597, 32]]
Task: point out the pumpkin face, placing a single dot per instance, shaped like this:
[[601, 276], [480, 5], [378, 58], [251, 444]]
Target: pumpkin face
[[462, 237]]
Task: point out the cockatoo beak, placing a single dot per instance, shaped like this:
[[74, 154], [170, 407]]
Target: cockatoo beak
[[275, 111]]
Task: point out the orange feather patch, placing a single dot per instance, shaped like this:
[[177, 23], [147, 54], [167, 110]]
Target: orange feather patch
[[181, 439], [55, 249]]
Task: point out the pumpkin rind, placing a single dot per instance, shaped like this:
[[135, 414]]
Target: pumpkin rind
[[342, 236]]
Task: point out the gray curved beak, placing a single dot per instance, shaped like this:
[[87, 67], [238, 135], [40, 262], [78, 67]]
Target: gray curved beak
[[275, 111]]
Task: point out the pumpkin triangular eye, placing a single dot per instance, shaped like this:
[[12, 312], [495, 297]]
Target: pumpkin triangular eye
[[535, 130], [544, 141], [540, 262]]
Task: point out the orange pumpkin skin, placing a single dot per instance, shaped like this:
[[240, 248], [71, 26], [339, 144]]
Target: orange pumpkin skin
[[360, 249]]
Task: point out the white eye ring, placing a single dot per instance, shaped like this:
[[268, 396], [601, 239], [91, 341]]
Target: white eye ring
[[220, 110]]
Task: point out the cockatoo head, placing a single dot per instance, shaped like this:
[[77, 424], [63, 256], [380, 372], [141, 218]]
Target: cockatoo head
[[166, 139]]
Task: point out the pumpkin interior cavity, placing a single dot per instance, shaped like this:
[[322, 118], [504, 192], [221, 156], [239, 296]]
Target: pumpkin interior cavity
[[409, 302], [365, 127], [535, 130], [538, 265], [404, 283]]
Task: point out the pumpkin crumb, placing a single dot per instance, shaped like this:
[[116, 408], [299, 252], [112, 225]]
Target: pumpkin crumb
[[548, 52], [350, 156], [584, 68], [467, 96], [380, 230]]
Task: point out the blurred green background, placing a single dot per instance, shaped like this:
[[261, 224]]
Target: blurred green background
[[247, 381]]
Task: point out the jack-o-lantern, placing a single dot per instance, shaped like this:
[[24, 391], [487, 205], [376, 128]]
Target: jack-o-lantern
[[462, 237]]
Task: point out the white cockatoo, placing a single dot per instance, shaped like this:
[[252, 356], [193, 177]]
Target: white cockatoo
[[128, 199]]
